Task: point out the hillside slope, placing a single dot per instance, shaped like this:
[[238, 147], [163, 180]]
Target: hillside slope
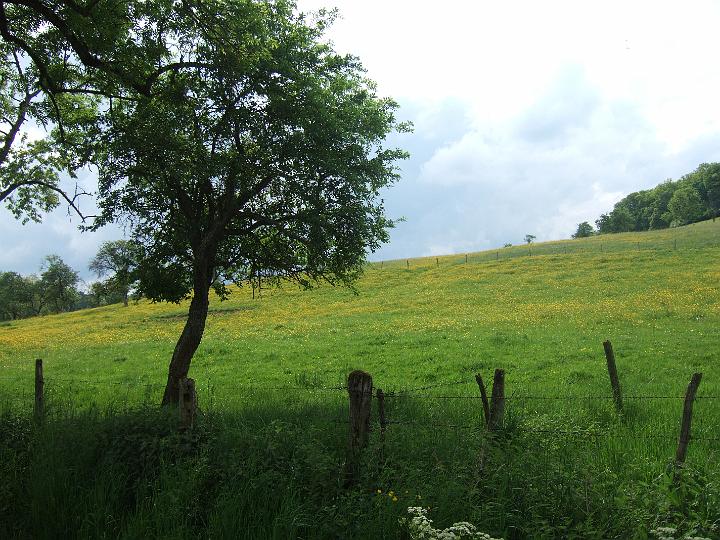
[[268, 457], [541, 311]]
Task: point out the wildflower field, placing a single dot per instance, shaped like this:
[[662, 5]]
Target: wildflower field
[[266, 458]]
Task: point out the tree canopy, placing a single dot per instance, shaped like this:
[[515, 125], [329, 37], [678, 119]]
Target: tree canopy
[[118, 260], [692, 198], [584, 230], [30, 167]]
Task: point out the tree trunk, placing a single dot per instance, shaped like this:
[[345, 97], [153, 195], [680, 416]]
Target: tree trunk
[[191, 335]]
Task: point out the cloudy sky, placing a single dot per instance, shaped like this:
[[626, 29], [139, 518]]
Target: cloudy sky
[[530, 117]]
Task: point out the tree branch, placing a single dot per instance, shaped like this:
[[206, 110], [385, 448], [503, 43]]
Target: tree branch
[[69, 200]]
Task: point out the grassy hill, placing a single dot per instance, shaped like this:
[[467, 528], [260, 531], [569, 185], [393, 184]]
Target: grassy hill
[[569, 465]]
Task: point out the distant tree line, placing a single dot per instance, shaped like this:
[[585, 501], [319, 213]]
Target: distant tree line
[[694, 197], [57, 288]]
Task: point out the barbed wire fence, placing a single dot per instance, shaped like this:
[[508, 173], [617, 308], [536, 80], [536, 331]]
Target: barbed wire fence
[[389, 418]]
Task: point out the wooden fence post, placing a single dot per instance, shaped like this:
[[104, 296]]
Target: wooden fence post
[[483, 396], [466, 258], [360, 394], [437, 261], [612, 371], [187, 403], [497, 400], [686, 421], [497, 255], [39, 409], [407, 261]]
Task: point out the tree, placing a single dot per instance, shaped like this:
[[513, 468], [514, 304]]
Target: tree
[[530, 238], [584, 230], [710, 175], [64, 64], [58, 284], [119, 260], [267, 155], [15, 295], [30, 168], [686, 206]]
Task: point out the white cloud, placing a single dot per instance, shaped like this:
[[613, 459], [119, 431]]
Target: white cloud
[[530, 117]]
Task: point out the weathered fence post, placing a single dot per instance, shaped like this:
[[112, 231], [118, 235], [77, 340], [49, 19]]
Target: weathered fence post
[[187, 403], [466, 258], [612, 371], [360, 394], [686, 420], [483, 396], [437, 261], [497, 400], [497, 255], [675, 243], [39, 409], [407, 261]]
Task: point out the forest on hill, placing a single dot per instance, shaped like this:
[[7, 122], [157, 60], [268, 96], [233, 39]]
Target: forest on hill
[[692, 198]]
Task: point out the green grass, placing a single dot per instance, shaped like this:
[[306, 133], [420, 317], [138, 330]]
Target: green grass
[[266, 460]]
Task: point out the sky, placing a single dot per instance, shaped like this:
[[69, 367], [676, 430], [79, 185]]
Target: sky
[[529, 117]]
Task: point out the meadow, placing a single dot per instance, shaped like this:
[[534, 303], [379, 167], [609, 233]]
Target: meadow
[[266, 458]]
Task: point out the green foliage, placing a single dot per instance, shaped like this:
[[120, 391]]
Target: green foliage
[[530, 238], [58, 283], [275, 146], [30, 168], [118, 259], [692, 198], [15, 295], [709, 173], [55, 291], [268, 463], [686, 206], [584, 230]]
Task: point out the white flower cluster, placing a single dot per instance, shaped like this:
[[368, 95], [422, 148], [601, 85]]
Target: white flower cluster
[[668, 533], [420, 528]]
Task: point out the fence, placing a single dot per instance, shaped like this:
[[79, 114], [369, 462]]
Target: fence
[[593, 246], [362, 394]]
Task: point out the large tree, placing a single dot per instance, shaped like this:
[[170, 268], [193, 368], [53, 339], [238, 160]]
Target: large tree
[[268, 154]]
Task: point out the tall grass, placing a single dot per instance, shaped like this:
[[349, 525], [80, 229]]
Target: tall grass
[[273, 467], [266, 463]]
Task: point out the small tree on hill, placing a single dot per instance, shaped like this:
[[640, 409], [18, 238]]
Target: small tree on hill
[[58, 285], [530, 238], [15, 295], [117, 259], [584, 230]]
